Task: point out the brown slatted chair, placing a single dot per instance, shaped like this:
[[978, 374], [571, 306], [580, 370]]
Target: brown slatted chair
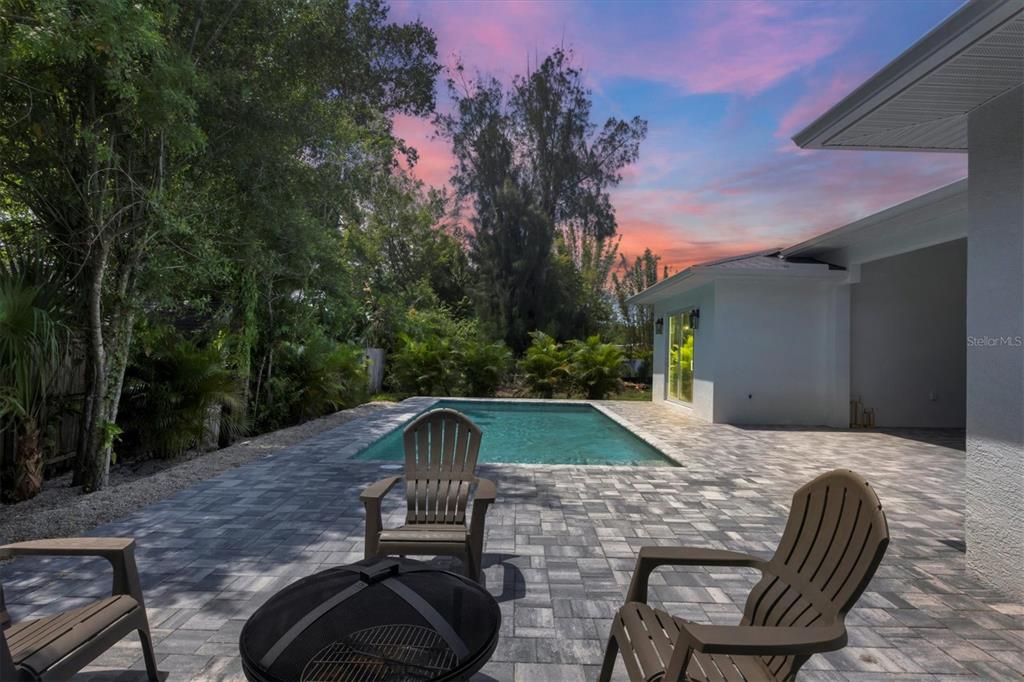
[[834, 540], [441, 449], [56, 647]]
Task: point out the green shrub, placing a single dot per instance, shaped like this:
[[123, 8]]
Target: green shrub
[[595, 368], [544, 366], [484, 367], [33, 338], [322, 376], [421, 324], [426, 366], [172, 392]]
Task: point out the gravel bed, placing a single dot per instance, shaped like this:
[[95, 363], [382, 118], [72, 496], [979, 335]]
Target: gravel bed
[[61, 510]]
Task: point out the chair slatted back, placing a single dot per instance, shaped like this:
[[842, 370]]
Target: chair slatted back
[[834, 539], [441, 449]]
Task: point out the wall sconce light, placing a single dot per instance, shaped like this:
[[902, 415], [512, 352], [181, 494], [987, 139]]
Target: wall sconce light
[[659, 326], [695, 318]]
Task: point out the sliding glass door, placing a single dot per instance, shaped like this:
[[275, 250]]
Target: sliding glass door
[[680, 356]]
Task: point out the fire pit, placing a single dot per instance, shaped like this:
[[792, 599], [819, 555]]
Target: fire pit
[[373, 621]]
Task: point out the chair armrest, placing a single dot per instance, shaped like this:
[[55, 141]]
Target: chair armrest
[[486, 491], [651, 557], [750, 640], [120, 552], [101, 547], [754, 640], [379, 489], [485, 494], [371, 498]]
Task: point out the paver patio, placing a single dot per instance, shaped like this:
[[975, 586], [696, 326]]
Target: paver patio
[[560, 547]]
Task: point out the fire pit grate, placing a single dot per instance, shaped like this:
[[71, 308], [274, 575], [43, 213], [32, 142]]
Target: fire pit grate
[[378, 620], [385, 653]]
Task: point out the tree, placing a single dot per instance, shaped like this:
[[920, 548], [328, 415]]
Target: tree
[[200, 161], [403, 256], [297, 100], [96, 107], [630, 280], [589, 263], [534, 167]]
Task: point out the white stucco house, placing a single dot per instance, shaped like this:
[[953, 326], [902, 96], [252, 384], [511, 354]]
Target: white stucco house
[[917, 311], [873, 310]]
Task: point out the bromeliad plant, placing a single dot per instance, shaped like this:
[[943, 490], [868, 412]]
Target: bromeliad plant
[[595, 368], [32, 342]]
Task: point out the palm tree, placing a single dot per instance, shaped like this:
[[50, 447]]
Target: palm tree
[[32, 340]]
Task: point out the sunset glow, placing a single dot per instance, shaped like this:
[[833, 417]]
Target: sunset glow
[[723, 86]]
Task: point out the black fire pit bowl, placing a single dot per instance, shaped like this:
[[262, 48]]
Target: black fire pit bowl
[[374, 621]]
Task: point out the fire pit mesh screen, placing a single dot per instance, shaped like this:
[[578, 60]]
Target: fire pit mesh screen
[[386, 653], [376, 620]]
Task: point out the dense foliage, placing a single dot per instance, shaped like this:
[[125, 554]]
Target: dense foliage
[[31, 335], [194, 161], [210, 197], [176, 396], [589, 368]]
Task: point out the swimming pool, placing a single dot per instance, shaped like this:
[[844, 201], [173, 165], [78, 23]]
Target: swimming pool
[[537, 433]]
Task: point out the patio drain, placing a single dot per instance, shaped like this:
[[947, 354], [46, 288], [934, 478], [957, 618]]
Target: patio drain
[[958, 545]]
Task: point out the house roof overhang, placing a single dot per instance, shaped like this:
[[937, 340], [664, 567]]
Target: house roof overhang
[[932, 218], [920, 100], [760, 265]]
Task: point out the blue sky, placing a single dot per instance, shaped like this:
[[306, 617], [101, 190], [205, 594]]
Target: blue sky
[[723, 86]]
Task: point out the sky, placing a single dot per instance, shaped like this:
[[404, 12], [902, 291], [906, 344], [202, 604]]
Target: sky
[[723, 86]]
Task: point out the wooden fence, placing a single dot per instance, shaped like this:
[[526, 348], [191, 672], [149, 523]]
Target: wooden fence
[[62, 421]]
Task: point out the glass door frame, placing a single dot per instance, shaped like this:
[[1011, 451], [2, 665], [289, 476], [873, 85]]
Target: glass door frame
[[679, 312]]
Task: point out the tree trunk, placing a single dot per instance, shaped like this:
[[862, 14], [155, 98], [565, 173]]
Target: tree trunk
[[28, 462], [91, 473]]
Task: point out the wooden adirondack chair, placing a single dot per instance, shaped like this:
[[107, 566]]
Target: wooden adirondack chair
[[441, 449], [56, 647], [834, 540]]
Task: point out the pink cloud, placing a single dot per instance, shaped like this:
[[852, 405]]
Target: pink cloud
[[777, 202], [493, 38], [717, 47], [435, 158], [728, 47], [820, 97]]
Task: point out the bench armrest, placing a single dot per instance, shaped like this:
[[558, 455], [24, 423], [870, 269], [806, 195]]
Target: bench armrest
[[120, 552], [653, 556]]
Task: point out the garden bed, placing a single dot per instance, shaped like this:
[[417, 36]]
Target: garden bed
[[61, 510]]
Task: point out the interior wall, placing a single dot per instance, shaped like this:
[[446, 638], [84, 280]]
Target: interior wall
[[908, 319]]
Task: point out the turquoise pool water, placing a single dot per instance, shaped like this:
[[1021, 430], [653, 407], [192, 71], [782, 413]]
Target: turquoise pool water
[[538, 433]]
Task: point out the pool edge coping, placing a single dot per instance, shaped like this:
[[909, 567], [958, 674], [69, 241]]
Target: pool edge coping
[[402, 411]]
